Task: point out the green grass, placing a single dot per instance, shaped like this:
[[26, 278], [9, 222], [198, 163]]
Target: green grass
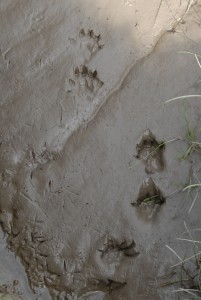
[[190, 137], [189, 268], [191, 283]]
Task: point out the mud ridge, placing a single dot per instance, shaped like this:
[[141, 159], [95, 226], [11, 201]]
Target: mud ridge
[[99, 101]]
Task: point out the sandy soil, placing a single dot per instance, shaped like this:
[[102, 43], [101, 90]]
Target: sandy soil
[[83, 85]]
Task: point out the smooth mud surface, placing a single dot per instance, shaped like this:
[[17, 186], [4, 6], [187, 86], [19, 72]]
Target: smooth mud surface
[[90, 165]]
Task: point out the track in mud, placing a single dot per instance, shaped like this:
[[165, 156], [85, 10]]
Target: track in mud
[[86, 224]]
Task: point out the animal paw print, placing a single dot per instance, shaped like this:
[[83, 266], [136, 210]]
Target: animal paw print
[[124, 246], [87, 44], [105, 285], [90, 42], [149, 193], [86, 82], [149, 200], [150, 151]]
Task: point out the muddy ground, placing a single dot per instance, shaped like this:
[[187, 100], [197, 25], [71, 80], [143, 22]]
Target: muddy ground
[[87, 142]]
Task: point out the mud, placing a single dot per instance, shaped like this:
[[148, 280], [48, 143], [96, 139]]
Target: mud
[[149, 200], [80, 82], [10, 291], [150, 151], [149, 193]]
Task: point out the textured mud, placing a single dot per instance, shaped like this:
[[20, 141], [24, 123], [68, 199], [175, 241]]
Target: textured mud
[[10, 291], [149, 192], [149, 200], [150, 151], [80, 81]]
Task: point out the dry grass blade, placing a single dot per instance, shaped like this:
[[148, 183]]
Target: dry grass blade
[[194, 200], [193, 203], [198, 61], [187, 259], [187, 240], [187, 229], [182, 97], [192, 230], [194, 54], [188, 291], [191, 186], [188, 52], [188, 152], [175, 253]]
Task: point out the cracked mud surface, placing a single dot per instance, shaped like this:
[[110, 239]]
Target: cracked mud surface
[[79, 83]]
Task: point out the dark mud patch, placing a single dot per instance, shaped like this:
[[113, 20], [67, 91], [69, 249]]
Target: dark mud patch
[[150, 151]]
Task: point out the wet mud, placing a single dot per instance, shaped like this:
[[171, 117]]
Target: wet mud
[[80, 81], [10, 291], [150, 151], [149, 193], [149, 200], [124, 246]]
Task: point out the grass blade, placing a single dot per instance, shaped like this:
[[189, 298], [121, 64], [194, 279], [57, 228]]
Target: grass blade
[[187, 240], [193, 203], [187, 259], [188, 52], [182, 97], [188, 291], [191, 186], [175, 253], [198, 61]]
